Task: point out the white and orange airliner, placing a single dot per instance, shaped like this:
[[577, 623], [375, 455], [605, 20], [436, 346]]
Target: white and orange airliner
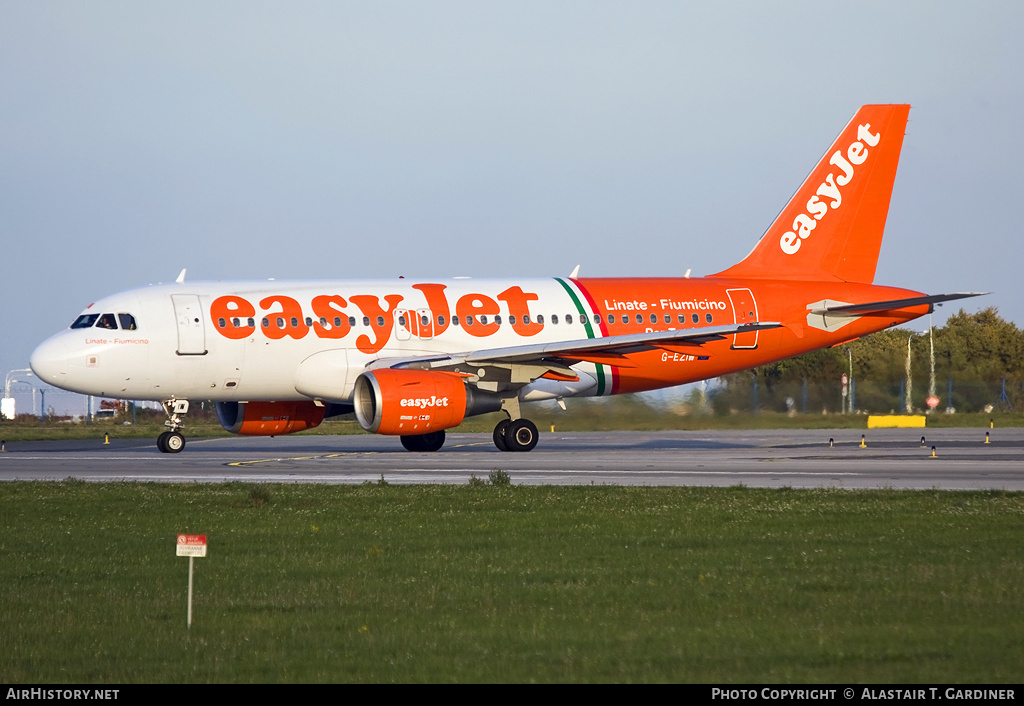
[[413, 359]]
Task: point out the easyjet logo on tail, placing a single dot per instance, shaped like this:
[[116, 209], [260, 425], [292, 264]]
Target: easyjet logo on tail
[[828, 195]]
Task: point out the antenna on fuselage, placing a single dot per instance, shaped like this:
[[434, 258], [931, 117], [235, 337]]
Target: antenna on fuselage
[[181, 275]]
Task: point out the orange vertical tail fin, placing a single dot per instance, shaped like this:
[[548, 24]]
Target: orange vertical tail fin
[[832, 227]]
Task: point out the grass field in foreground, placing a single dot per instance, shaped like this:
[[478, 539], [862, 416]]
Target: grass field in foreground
[[383, 583]]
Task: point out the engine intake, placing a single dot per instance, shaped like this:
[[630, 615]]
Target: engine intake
[[412, 402]]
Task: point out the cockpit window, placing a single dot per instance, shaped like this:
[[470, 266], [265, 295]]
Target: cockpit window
[[85, 321], [107, 321]]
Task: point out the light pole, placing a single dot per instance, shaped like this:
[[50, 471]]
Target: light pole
[[8, 402], [908, 406], [849, 353], [931, 347]]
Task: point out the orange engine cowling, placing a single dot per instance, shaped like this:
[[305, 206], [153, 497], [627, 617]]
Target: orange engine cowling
[[410, 402], [268, 418]]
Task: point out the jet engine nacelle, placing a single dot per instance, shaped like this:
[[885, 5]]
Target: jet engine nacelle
[[268, 418], [412, 402]]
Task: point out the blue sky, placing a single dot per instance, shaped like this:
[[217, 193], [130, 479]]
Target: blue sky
[[376, 139]]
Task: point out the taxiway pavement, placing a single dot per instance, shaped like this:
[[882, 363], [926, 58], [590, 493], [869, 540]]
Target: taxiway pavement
[[891, 458]]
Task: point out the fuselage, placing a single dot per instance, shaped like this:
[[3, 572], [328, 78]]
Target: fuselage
[[281, 340]]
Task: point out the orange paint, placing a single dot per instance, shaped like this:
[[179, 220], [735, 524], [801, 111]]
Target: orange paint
[[407, 402], [273, 418], [518, 303], [330, 307], [231, 307], [437, 302], [477, 305], [371, 308], [286, 322]]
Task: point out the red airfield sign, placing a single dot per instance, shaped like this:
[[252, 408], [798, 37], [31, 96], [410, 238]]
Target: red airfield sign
[[192, 545]]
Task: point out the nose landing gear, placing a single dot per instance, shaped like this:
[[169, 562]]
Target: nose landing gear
[[172, 441]]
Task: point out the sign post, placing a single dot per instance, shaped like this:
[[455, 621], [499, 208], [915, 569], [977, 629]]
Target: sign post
[[191, 545]]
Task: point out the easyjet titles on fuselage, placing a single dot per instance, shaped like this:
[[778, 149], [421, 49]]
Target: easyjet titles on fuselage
[[282, 316]]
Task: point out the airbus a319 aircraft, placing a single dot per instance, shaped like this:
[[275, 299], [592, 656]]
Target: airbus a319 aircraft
[[414, 358]]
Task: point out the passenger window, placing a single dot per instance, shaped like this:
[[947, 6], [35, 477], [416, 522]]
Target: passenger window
[[380, 321], [497, 319], [295, 322], [707, 317], [554, 319], [127, 322], [366, 321], [526, 319], [639, 318], [469, 321], [696, 319], [455, 321], [568, 318], [351, 321], [440, 320], [265, 322], [682, 318], [221, 323], [424, 320], [252, 322], [337, 321], [540, 318], [280, 322], [611, 319], [668, 318], [512, 320], [401, 320], [597, 319], [107, 321], [236, 323], [483, 319], [625, 318], [85, 321], [309, 321], [654, 318]]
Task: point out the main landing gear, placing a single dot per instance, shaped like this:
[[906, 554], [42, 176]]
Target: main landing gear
[[424, 442], [514, 433], [172, 441]]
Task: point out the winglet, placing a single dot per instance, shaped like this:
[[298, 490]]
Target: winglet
[[181, 275], [575, 272]]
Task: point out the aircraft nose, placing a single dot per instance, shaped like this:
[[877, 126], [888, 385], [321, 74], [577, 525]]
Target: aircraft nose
[[50, 361]]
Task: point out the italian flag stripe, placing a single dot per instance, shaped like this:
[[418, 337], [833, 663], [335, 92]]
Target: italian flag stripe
[[589, 327]]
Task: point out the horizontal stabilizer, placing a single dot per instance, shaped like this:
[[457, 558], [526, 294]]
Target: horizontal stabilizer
[[875, 307]]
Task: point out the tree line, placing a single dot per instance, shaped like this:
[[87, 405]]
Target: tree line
[[977, 352]]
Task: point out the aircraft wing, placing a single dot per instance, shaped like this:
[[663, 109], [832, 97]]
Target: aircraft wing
[[609, 350], [875, 307]]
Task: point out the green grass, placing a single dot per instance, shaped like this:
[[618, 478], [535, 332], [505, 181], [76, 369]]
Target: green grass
[[381, 583]]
